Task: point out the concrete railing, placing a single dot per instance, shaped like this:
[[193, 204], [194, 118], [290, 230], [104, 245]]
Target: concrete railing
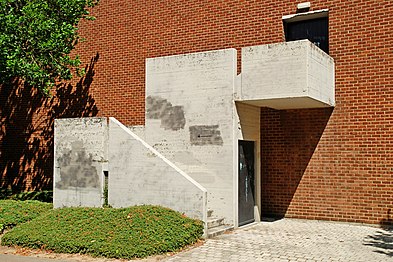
[[139, 174]]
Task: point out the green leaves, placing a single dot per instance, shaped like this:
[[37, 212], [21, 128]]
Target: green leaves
[[37, 38]]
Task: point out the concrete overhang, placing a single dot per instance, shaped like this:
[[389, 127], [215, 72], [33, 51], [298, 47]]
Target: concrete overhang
[[287, 75]]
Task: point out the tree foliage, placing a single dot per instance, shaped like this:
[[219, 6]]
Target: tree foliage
[[37, 37]]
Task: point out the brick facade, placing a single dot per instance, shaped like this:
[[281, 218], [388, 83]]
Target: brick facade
[[334, 164]]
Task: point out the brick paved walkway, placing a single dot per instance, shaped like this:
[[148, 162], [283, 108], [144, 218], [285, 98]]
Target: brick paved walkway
[[296, 240]]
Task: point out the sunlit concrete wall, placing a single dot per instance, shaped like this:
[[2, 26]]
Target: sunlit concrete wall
[[189, 119], [287, 75], [137, 173], [80, 158]]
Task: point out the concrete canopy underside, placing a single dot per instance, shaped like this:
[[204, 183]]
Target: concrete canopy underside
[[287, 103]]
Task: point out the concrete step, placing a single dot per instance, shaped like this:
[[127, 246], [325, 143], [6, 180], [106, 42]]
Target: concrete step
[[215, 231], [214, 222]]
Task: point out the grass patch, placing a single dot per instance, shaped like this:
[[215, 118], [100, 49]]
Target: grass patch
[[13, 212], [133, 232]]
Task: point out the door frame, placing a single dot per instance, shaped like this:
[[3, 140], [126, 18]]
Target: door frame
[[257, 177], [246, 214]]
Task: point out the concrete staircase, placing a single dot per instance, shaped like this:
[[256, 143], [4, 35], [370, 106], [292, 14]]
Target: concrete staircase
[[216, 225]]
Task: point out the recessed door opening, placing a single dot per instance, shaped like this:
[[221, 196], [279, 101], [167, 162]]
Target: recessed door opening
[[246, 185]]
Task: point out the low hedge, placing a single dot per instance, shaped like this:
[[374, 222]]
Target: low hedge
[[43, 196], [13, 212], [5, 193], [133, 232]]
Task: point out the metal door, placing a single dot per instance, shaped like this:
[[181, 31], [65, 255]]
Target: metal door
[[246, 188]]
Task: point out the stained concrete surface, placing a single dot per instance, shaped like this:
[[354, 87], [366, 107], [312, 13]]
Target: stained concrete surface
[[77, 168], [80, 155], [140, 175], [205, 135], [172, 117], [198, 87]]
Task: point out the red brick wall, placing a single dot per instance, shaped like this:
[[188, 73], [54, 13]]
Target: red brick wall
[[349, 175], [290, 139], [23, 126], [26, 129]]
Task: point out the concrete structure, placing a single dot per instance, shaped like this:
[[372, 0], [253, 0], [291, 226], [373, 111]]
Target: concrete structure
[[81, 156], [192, 117], [288, 75], [137, 173], [191, 156], [189, 108]]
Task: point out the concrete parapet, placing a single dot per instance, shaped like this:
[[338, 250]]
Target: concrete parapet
[[287, 75]]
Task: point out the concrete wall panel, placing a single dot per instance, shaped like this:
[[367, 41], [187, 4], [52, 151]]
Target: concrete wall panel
[[274, 71], [321, 83], [287, 75], [80, 158], [189, 119]]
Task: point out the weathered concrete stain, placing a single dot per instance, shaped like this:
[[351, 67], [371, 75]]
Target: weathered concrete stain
[[186, 158], [205, 135], [172, 117], [77, 169]]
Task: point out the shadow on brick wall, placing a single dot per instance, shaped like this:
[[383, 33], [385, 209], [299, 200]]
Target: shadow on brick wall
[[26, 134], [288, 141], [382, 240]]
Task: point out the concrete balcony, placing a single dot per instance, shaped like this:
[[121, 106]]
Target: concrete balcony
[[287, 75]]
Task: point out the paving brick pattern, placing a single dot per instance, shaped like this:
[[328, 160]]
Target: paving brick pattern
[[296, 240]]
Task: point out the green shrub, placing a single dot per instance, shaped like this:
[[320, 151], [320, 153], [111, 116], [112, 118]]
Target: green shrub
[[114, 233], [5, 193], [13, 212], [43, 196]]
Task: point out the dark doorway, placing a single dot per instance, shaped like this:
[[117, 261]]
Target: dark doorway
[[246, 182]]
